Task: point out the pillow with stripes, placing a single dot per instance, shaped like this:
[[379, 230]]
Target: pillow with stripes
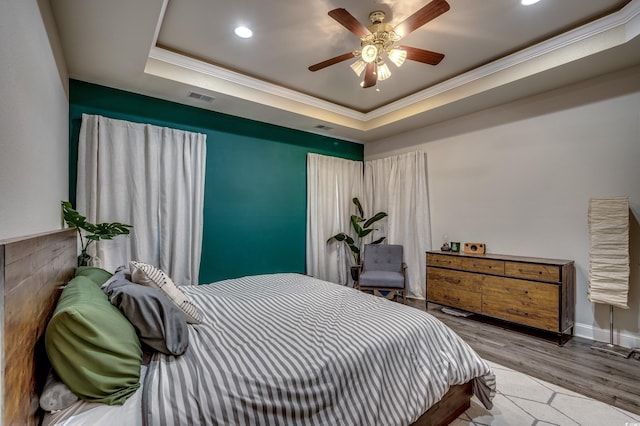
[[149, 275]]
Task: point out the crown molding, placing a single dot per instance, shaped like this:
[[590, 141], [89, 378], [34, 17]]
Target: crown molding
[[620, 19], [626, 19], [224, 74]]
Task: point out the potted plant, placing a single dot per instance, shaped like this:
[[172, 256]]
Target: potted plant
[[361, 227], [94, 232]]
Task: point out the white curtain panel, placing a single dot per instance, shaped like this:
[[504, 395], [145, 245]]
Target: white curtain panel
[[609, 268], [152, 178], [331, 185], [398, 186]]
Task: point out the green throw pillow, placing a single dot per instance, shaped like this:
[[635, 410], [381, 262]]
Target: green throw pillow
[[97, 275], [92, 346]]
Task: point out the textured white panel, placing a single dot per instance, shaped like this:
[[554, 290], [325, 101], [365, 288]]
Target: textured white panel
[[609, 251]]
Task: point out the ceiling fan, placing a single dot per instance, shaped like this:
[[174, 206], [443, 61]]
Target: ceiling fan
[[377, 41]]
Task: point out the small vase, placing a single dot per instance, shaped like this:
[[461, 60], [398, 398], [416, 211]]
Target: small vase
[[85, 259]]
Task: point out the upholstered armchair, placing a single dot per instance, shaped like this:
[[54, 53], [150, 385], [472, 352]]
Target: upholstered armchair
[[383, 269]]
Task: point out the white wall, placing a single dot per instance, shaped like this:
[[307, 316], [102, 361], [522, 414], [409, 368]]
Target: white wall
[[519, 178], [34, 127], [34, 120]]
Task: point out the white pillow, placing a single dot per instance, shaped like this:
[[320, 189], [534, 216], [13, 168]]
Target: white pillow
[[149, 275]]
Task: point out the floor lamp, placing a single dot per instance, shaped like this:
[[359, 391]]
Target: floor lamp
[[609, 261]]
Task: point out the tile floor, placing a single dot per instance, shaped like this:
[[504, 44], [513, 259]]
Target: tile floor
[[523, 400]]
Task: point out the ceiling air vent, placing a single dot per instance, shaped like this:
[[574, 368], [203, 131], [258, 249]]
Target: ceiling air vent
[[201, 97]]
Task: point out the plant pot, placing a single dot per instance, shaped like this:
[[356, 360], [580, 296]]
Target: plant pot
[[355, 273]]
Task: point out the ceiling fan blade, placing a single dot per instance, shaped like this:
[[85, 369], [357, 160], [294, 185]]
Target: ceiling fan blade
[[331, 61], [421, 55], [370, 77], [349, 22], [421, 17]]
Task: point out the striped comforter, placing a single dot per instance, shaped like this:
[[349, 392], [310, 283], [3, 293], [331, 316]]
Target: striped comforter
[[291, 349]]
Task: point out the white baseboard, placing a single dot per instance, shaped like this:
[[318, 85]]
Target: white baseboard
[[624, 339]]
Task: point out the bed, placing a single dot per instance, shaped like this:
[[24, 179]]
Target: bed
[[271, 349]]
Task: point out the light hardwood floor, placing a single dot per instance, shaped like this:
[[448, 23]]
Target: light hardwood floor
[[575, 366]]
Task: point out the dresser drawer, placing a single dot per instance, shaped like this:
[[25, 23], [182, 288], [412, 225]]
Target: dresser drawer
[[446, 278], [486, 266], [456, 298], [531, 291], [444, 260], [533, 271], [529, 303]]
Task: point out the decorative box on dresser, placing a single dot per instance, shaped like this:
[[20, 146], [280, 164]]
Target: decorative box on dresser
[[534, 292]]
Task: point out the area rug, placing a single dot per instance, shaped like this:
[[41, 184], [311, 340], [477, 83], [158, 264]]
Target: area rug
[[523, 400]]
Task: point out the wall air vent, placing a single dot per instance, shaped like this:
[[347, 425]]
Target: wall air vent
[[323, 127], [201, 97]]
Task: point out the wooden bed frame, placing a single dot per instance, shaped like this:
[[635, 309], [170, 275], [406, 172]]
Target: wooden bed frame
[[450, 407], [32, 271]]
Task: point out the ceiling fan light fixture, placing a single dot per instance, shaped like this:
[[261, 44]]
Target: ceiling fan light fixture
[[397, 56], [369, 53], [528, 2], [383, 71], [358, 66], [377, 40]]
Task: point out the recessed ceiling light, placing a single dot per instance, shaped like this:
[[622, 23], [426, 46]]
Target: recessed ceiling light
[[243, 32], [528, 2]]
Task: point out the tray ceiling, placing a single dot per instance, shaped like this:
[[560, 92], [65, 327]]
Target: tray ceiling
[[495, 51]]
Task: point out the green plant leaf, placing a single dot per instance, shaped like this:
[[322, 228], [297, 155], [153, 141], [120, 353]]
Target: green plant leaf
[[358, 205], [339, 237], [361, 228], [356, 219], [365, 232], [356, 253], [374, 219], [100, 231], [90, 227], [355, 223], [72, 217], [379, 240], [107, 231]]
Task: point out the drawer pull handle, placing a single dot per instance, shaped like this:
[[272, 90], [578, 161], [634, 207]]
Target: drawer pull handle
[[455, 299], [525, 271], [452, 280], [515, 290], [517, 312], [482, 266]]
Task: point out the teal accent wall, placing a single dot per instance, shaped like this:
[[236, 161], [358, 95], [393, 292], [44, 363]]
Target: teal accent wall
[[255, 182]]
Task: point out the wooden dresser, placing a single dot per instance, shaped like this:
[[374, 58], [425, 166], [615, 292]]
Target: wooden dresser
[[535, 292]]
